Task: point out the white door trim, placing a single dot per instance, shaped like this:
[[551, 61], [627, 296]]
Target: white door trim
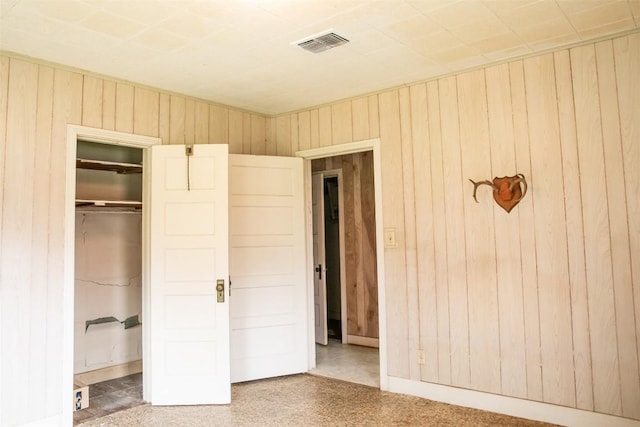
[[338, 150], [75, 132]]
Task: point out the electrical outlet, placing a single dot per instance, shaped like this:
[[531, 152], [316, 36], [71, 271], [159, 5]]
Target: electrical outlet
[[421, 357]]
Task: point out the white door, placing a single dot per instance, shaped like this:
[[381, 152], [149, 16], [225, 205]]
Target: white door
[[188, 254], [269, 335], [319, 260]]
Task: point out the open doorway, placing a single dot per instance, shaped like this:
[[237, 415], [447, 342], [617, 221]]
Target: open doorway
[[345, 258], [108, 279], [105, 269]]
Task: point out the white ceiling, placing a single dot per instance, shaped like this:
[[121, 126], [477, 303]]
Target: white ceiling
[[240, 52]]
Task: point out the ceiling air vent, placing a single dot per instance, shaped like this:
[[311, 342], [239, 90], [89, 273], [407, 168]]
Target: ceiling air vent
[[322, 42]]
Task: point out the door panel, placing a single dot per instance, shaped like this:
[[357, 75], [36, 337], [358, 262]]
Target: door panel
[[267, 255], [189, 329], [319, 261]]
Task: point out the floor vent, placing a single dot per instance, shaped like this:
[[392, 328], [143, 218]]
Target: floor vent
[[322, 42]]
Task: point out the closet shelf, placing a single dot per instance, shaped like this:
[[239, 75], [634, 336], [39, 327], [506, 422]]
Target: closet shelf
[[84, 204], [103, 165]]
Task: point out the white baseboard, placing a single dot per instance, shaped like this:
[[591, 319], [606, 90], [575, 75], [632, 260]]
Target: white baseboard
[[54, 421], [508, 405], [364, 341], [108, 373]]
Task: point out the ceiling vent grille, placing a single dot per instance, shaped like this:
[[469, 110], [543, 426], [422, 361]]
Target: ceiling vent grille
[[322, 42]]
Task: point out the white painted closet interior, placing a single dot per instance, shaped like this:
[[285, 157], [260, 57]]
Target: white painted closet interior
[[108, 257]]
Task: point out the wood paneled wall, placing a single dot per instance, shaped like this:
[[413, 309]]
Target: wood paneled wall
[[360, 240], [542, 303], [36, 103]]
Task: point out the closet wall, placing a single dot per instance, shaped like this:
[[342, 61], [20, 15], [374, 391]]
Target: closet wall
[[542, 303], [37, 101], [360, 240]]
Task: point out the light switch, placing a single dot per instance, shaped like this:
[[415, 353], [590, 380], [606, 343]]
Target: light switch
[[389, 237]]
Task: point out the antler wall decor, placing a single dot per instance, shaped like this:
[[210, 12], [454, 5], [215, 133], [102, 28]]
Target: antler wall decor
[[507, 191]]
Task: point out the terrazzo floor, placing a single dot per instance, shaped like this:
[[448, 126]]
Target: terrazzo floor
[[309, 400]]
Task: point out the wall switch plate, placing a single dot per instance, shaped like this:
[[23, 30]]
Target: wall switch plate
[[421, 357], [390, 238]]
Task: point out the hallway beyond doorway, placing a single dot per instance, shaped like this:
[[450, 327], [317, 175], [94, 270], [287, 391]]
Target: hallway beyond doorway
[[352, 363]]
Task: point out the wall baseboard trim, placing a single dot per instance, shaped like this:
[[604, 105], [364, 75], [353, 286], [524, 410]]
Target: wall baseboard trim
[[507, 405], [364, 341], [108, 373]]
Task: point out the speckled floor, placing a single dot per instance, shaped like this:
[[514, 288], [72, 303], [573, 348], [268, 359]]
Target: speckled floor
[[309, 400]]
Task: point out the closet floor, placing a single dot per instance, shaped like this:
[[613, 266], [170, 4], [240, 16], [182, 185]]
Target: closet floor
[[111, 396]]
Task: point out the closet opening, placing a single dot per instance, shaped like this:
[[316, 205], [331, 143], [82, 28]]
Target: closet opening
[[107, 339]]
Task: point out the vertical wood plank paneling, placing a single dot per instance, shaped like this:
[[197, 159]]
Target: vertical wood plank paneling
[[16, 240], [606, 369], [4, 101], [67, 109], [551, 239], [258, 139], [341, 123], [355, 163], [575, 234], [236, 129], [627, 70], [38, 334], [246, 133], [146, 112], [325, 131], [92, 102], [67, 104], [283, 136], [218, 125], [619, 232], [295, 143], [272, 148], [411, 260], [304, 130], [456, 263], [202, 123], [374, 117], [360, 117], [443, 345], [124, 107], [314, 128], [369, 249], [394, 259], [507, 236], [40, 251], [189, 121], [527, 235], [176, 120], [350, 242], [425, 253], [108, 105], [164, 118], [484, 342]]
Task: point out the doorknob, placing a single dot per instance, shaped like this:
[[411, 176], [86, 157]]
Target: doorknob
[[220, 289], [319, 271]]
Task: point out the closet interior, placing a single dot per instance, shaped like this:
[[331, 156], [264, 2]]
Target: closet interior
[[108, 263]]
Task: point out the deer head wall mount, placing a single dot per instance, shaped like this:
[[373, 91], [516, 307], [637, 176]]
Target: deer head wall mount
[[507, 191]]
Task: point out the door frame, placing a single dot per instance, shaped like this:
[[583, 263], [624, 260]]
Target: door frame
[[338, 150], [75, 132], [337, 173]]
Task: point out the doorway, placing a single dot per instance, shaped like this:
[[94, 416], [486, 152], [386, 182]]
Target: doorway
[[361, 321], [98, 213], [108, 279]]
